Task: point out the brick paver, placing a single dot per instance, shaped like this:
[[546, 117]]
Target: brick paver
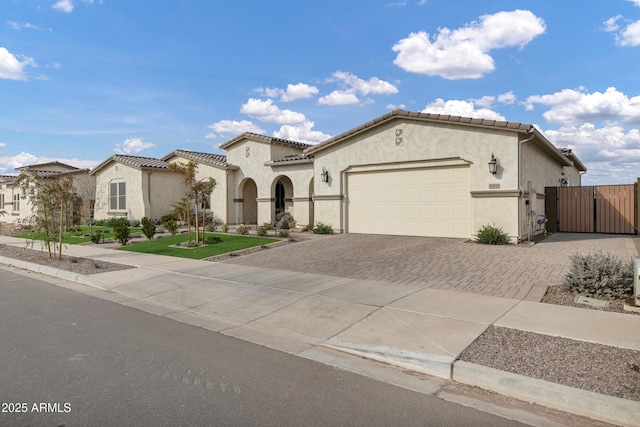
[[521, 272]]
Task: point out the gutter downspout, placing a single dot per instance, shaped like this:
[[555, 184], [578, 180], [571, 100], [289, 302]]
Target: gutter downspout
[[531, 131]]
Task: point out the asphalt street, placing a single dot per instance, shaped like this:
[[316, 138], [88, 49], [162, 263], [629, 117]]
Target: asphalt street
[[70, 359]]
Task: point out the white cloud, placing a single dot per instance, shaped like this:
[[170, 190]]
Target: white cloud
[[132, 146], [301, 133], [12, 68], [611, 24], [636, 2], [233, 127], [339, 97], [65, 6], [572, 107], [610, 152], [461, 108], [19, 160], [463, 53], [396, 107], [267, 112], [291, 93], [352, 86], [630, 36], [17, 26]]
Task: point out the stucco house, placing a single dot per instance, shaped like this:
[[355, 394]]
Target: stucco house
[[19, 209], [403, 173]]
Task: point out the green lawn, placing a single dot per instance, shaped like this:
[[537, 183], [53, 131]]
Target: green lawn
[[77, 237], [230, 243]]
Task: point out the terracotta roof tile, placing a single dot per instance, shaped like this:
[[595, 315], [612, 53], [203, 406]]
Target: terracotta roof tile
[[269, 139], [219, 160]]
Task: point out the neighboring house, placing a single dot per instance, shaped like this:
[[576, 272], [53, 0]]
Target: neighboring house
[[20, 209], [135, 187], [403, 173]]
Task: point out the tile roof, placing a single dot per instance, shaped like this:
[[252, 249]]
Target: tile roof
[[268, 139], [41, 166], [293, 158], [218, 160], [137, 162], [440, 118], [7, 178]]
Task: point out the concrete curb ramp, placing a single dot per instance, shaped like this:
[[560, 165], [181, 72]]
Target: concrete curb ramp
[[416, 329]]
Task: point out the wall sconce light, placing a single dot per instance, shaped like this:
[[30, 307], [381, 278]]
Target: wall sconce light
[[493, 165], [324, 175]]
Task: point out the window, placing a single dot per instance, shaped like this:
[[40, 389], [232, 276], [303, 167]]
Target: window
[[117, 196], [16, 202]]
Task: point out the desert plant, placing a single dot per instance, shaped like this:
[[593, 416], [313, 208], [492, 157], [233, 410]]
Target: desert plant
[[148, 227], [322, 228], [212, 240], [286, 221], [171, 225], [283, 233], [211, 227], [262, 231], [121, 231], [242, 229], [491, 235], [225, 228], [96, 236], [134, 223], [599, 275]]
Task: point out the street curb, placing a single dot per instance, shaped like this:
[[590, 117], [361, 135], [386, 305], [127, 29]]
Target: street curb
[[50, 271], [557, 396]]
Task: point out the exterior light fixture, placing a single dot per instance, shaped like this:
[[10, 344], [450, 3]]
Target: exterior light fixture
[[324, 175], [493, 165]]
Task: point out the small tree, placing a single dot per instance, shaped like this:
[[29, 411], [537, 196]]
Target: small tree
[[50, 199], [188, 172], [202, 189]]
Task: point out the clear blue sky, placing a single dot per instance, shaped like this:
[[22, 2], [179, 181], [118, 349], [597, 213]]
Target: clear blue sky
[[81, 80]]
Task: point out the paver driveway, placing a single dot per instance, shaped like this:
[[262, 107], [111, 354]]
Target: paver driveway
[[521, 272]]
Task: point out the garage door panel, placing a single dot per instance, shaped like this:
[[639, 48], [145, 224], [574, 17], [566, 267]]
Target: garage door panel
[[426, 202]]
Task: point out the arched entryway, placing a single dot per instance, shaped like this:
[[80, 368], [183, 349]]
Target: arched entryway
[[249, 192], [311, 206], [282, 196]]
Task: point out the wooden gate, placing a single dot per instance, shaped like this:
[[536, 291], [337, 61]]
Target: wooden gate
[[598, 209]]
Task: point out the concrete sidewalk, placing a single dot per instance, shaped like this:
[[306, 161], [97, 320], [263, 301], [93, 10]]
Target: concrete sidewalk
[[311, 315]]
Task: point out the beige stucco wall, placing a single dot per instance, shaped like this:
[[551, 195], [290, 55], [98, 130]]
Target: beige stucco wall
[[253, 167], [150, 193], [424, 141]]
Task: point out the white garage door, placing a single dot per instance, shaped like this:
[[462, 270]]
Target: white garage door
[[414, 202]]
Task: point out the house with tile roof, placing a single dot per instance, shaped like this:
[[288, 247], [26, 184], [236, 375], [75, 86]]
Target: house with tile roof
[[18, 208], [403, 173]]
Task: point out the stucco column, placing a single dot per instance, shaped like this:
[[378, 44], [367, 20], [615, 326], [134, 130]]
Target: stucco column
[[301, 210], [266, 209]]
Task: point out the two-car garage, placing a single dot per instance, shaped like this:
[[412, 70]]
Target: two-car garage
[[431, 201]]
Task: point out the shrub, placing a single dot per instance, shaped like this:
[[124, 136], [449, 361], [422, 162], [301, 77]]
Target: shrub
[[96, 236], [322, 228], [168, 217], [134, 223], [286, 221], [242, 229], [212, 240], [211, 227], [225, 228], [171, 225], [121, 231], [599, 275], [262, 231], [148, 227], [491, 235], [283, 233]]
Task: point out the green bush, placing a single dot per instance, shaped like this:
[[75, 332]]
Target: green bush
[[148, 227], [168, 217], [242, 229], [211, 227], [491, 235], [322, 228], [262, 231], [599, 275], [96, 236], [212, 240], [121, 231], [225, 228], [283, 233], [134, 223], [171, 225]]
